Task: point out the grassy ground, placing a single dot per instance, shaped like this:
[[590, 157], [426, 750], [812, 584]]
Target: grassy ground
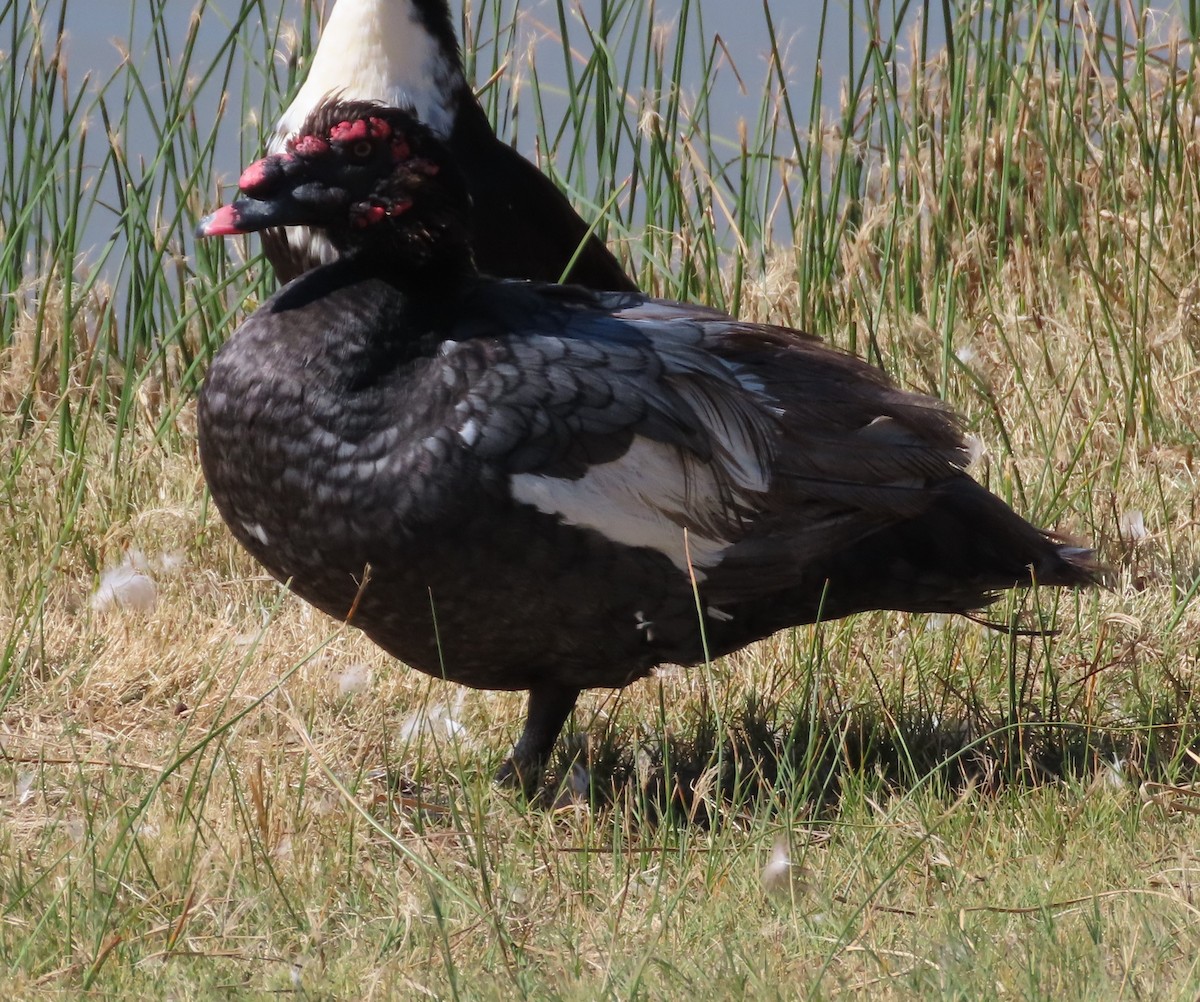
[[224, 793]]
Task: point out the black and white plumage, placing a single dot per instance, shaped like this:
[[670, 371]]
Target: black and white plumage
[[404, 53], [514, 485]]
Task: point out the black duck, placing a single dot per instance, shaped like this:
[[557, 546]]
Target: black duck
[[515, 485]]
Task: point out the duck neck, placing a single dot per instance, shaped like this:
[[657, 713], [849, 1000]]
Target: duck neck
[[425, 269]]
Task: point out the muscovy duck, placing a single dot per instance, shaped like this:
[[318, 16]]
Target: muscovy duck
[[404, 53], [528, 486]]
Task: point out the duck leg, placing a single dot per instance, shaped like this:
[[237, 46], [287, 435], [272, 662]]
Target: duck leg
[[549, 706]]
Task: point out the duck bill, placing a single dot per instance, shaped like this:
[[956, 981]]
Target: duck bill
[[266, 199], [248, 215]]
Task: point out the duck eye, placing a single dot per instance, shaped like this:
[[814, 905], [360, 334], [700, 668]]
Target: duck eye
[[362, 149]]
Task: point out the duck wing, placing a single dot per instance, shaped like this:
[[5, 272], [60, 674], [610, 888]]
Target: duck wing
[[676, 428]]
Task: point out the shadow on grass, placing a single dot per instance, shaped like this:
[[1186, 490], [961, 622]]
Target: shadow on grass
[[755, 761]]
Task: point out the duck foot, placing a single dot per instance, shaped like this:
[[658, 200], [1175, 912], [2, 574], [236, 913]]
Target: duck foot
[[549, 707]]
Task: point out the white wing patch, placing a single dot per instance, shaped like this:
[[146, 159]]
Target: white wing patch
[[648, 497]]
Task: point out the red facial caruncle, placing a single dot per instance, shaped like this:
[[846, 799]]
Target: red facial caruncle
[[254, 176], [261, 177], [366, 214], [359, 129], [308, 146]]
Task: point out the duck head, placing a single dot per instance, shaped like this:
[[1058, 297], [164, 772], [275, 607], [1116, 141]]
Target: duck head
[[368, 176]]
